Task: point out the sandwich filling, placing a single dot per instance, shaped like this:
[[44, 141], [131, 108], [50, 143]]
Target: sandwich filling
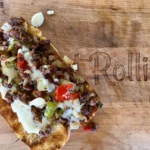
[[40, 87]]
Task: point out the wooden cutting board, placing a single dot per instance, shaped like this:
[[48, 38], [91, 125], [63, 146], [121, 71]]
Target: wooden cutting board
[[110, 41]]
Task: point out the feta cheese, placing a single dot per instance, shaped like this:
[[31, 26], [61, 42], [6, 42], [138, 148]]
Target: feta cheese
[[6, 27], [38, 102], [10, 72], [50, 12], [74, 67]]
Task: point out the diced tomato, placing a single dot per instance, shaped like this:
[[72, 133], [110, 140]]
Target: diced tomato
[[63, 93], [21, 62], [74, 96], [87, 128], [91, 126]]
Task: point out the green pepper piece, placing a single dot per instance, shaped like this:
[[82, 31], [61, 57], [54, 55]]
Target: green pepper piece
[[50, 109], [10, 64], [11, 47]]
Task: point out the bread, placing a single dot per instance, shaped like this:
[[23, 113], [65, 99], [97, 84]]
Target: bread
[[55, 141]]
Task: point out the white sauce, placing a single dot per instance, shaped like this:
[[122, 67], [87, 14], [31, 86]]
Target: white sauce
[[38, 102], [3, 91], [26, 118], [37, 19], [6, 27], [42, 83]]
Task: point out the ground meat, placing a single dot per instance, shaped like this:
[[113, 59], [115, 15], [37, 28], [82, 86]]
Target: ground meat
[[5, 84], [84, 97], [70, 71], [99, 104], [35, 56], [19, 33], [15, 34], [91, 126], [41, 46], [48, 77], [15, 21], [40, 58], [5, 43], [37, 93], [9, 98], [59, 74], [37, 114], [6, 36], [44, 61], [51, 58], [93, 102], [1, 35], [53, 69], [64, 121], [26, 38], [87, 110], [28, 87], [25, 97], [45, 133]]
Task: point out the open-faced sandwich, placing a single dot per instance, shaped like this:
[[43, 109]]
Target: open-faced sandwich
[[42, 97]]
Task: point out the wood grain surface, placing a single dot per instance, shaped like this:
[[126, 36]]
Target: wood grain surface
[[110, 41]]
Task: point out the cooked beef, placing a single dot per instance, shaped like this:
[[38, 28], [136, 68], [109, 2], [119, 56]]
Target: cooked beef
[[94, 102], [87, 110], [41, 46], [37, 93], [7, 85], [64, 121], [9, 97], [53, 69], [20, 34], [84, 97], [25, 97], [45, 133], [5, 43], [48, 77], [28, 87], [91, 126], [44, 61], [1, 35], [15, 21], [37, 114], [59, 73], [15, 34], [99, 104], [6, 36], [51, 58]]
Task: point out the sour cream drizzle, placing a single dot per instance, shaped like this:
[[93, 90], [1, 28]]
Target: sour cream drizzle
[[25, 116]]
